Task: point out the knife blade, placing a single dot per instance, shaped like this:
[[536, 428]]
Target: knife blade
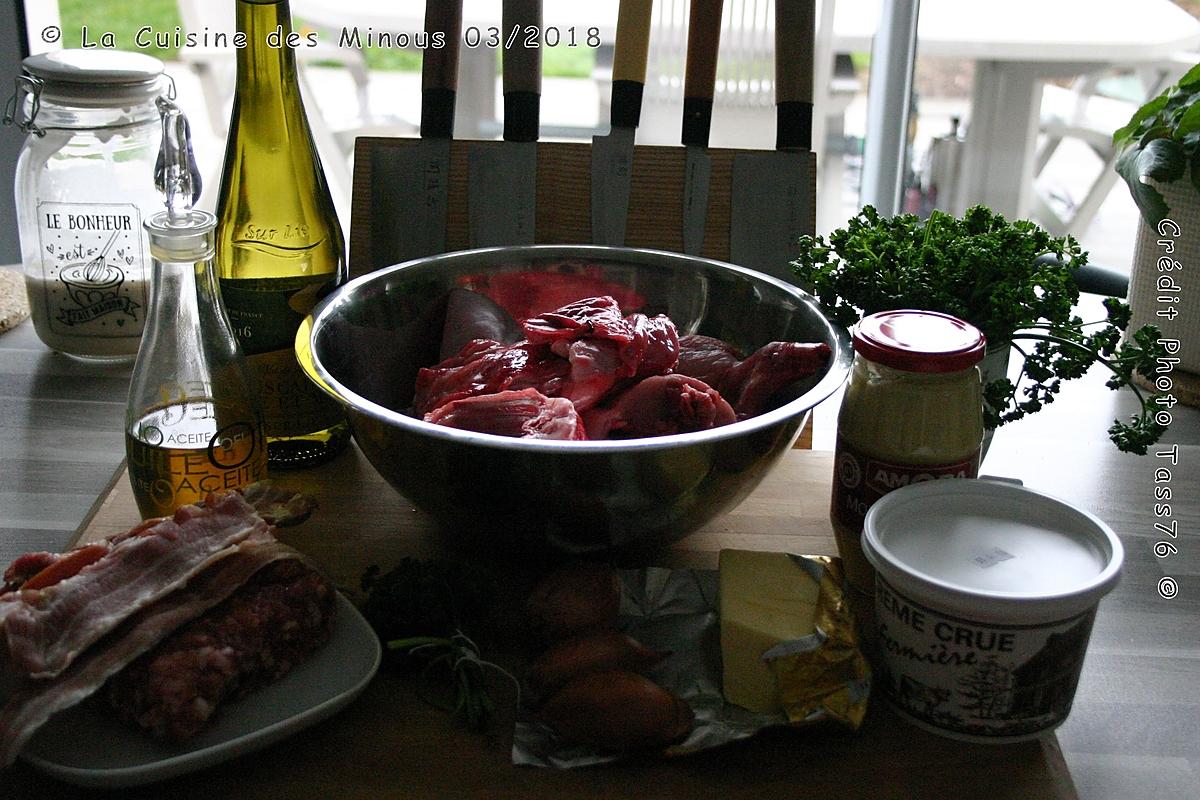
[[770, 194], [412, 185], [699, 84], [612, 155], [502, 186]]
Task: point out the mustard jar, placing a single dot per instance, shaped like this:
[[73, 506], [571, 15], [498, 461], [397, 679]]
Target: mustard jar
[[82, 195], [912, 412]]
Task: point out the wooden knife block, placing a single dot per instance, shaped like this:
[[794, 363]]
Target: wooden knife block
[[564, 182]]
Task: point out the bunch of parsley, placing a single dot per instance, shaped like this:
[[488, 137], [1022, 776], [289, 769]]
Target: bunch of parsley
[[986, 270]]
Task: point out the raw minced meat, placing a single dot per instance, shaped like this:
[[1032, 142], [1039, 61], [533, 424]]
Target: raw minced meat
[[275, 621]]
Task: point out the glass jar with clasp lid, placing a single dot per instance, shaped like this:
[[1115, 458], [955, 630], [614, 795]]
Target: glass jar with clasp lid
[[82, 195]]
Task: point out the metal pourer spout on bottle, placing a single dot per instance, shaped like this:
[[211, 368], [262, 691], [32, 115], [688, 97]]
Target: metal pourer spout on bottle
[[181, 231]]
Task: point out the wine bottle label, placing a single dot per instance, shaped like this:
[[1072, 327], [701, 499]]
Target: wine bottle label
[[292, 405], [265, 312], [89, 280]]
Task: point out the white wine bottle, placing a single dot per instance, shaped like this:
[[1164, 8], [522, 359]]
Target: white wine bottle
[[279, 245]]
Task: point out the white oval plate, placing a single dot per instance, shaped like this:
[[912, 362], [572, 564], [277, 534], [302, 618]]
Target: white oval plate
[[87, 748]]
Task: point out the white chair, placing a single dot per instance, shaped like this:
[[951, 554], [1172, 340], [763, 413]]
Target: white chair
[[1089, 112]]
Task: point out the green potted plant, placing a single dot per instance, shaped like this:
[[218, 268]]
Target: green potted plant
[[1158, 146], [988, 271], [1160, 162]]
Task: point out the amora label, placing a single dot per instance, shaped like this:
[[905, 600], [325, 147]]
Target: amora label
[[860, 480]]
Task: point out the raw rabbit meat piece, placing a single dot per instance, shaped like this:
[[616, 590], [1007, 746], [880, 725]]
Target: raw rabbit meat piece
[[774, 366], [623, 376], [646, 345], [659, 406], [581, 352], [749, 383], [706, 358], [487, 367], [655, 346], [525, 413], [593, 316], [595, 368], [470, 315]]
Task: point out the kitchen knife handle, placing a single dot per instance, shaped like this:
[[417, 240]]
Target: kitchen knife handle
[[795, 32], [522, 67], [700, 75], [629, 62], [439, 68]]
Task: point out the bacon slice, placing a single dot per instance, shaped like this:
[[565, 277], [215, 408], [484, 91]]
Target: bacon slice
[[25, 567], [33, 702], [46, 629], [70, 564]]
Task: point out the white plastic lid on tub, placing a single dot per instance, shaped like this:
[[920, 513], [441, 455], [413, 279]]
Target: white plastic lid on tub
[[992, 551]]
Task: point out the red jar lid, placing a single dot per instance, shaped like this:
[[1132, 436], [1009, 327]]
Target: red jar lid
[[919, 341]]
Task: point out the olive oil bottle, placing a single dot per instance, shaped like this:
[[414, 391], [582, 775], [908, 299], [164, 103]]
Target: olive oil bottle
[[279, 245], [192, 423]]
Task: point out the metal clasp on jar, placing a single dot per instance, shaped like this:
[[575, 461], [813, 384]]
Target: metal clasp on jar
[[14, 111]]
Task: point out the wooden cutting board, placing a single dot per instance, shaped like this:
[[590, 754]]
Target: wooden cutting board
[[389, 743]]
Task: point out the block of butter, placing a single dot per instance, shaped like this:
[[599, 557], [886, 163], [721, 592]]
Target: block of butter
[[788, 641], [765, 599]]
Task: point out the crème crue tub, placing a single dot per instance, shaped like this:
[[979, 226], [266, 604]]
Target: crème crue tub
[[985, 595]]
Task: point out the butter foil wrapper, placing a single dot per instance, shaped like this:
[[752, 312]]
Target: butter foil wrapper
[[822, 677]]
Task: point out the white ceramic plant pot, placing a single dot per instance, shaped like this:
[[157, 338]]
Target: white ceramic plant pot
[[993, 367], [1164, 288]]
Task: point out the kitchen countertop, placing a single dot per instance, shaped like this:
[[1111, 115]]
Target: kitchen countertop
[[1130, 734]]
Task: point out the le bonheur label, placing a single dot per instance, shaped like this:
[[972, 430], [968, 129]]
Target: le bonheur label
[[91, 258]]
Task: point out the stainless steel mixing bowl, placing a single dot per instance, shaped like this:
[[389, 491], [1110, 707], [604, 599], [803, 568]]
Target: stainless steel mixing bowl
[[365, 342]]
